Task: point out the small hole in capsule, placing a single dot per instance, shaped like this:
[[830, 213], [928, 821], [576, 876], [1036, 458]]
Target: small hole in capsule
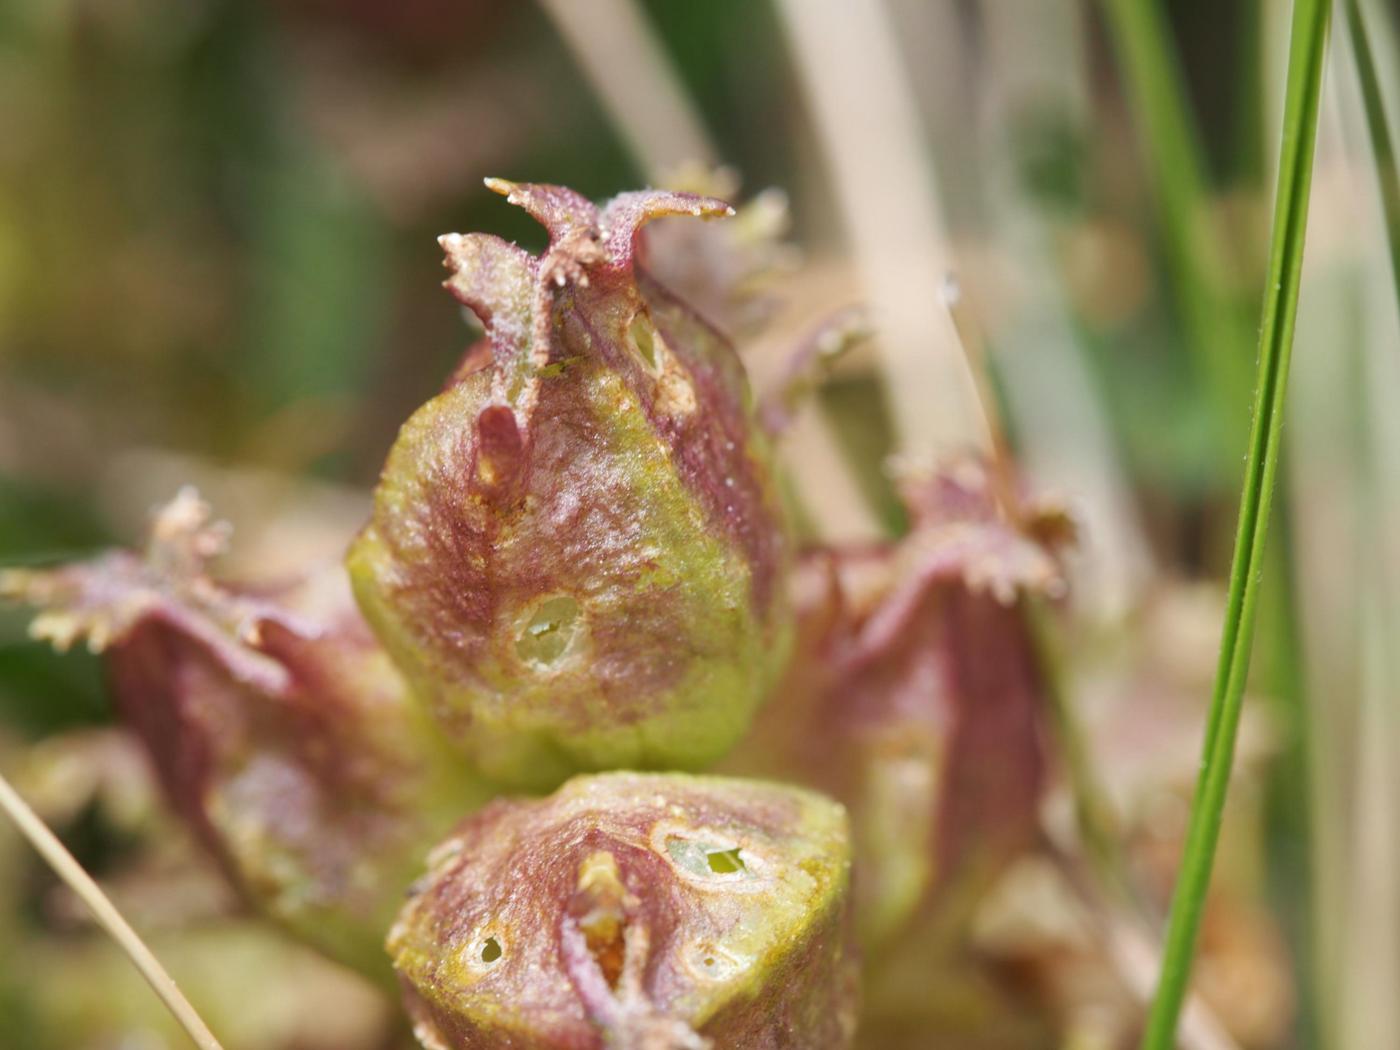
[[641, 333], [491, 950], [700, 858], [711, 962], [546, 638]]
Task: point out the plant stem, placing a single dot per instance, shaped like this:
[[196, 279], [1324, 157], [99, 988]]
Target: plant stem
[[856, 85], [1245, 163], [1095, 816], [1196, 253], [1134, 952], [627, 67], [1382, 145], [1307, 51], [68, 869]]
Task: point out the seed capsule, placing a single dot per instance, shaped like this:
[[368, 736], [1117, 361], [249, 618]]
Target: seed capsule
[[576, 553], [634, 912], [916, 698], [279, 730]]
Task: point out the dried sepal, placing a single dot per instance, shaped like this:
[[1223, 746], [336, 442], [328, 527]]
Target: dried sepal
[[278, 728], [963, 529], [100, 601], [727, 272], [633, 912], [809, 364], [576, 552]]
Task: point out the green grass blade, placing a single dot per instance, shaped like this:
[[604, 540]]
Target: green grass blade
[[1245, 162], [1215, 329], [1382, 144], [1217, 333], [1307, 50]]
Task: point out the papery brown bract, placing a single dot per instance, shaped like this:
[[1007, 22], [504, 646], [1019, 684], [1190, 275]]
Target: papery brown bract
[[576, 552], [635, 912], [278, 728]]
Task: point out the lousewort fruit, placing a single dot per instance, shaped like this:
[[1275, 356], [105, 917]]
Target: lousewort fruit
[[279, 730], [576, 551], [916, 698], [633, 911]]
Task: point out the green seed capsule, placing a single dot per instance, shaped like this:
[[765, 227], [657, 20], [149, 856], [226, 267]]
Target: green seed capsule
[[576, 553], [280, 731], [635, 911]]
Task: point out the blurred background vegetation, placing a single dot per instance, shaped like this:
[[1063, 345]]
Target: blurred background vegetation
[[217, 263]]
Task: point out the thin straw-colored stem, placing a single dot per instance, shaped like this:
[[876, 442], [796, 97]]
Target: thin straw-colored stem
[[1095, 817], [1369, 1017], [1307, 52], [1033, 62], [625, 65], [68, 869], [863, 110], [1134, 952], [974, 348], [1368, 1012]]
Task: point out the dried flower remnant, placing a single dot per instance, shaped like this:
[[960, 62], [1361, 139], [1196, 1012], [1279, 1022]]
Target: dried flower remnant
[[809, 365], [915, 697], [576, 551], [279, 730], [636, 912], [726, 272]]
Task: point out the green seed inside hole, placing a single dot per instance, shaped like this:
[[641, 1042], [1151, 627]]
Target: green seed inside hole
[[701, 858], [550, 631], [491, 950], [725, 861]]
